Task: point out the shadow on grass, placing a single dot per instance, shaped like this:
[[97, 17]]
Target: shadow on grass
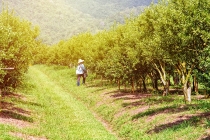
[[152, 112], [29, 103], [133, 99], [206, 138], [146, 100], [10, 110], [11, 106], [14, 115], [126, 95], [181, 121], [173, 109], [19, 98], [191, 120]]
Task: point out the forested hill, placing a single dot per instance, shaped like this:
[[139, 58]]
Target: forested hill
[[61, 19]]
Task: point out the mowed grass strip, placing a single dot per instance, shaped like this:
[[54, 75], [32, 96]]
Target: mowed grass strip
[[58, 114]]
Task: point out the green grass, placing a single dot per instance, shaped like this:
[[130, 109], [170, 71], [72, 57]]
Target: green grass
[[56, 113], [61, 110], [4, 135]]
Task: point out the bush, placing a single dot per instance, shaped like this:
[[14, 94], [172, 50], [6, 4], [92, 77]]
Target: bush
[[18, 38]]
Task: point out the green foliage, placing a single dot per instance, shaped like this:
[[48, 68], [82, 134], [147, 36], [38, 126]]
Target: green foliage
[[16, 45], [203, 68], [167, 37]]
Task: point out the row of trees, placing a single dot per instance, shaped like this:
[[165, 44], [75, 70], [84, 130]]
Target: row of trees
[[17, 41], [171, 38], [168, 39]]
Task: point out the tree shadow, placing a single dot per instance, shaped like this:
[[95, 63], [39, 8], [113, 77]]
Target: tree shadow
[[142, 99], [152, 112], [14, 115], [11, 106], [11, 95], [129, 96], [172, 109], [206, 138], [10, 110], [29, 103], [139, 98], [18, 98], [192, 120]]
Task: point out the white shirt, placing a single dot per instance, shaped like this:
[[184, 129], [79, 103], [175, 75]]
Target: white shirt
[[80, 69]]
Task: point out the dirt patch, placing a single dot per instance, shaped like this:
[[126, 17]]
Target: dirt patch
[[139, 110], [14, 122]]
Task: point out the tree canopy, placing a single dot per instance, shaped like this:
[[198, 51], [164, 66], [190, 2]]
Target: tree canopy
[[166, 38]]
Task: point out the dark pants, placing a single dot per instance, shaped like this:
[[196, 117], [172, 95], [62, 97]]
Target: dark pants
[[78, 79]]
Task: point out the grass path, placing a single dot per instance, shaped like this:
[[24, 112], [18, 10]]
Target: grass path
[[60, 115], [58, 109]]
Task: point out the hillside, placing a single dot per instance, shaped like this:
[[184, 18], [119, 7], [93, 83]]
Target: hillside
[[101, 9], [61, 19]]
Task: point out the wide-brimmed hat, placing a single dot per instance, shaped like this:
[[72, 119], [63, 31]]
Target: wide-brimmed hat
[[80, 61]]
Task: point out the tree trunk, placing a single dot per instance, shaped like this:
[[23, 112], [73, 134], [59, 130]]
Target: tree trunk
[[176, 80], [187, 92], [102, 81], [155, 84], [133, 89], [195, 84], [154, 80], [140, 85], [162, 72], [166, 88], [144, 85], [119, 84], [186, 74]]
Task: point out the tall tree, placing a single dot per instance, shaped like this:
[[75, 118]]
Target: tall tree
[[193, 37]]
